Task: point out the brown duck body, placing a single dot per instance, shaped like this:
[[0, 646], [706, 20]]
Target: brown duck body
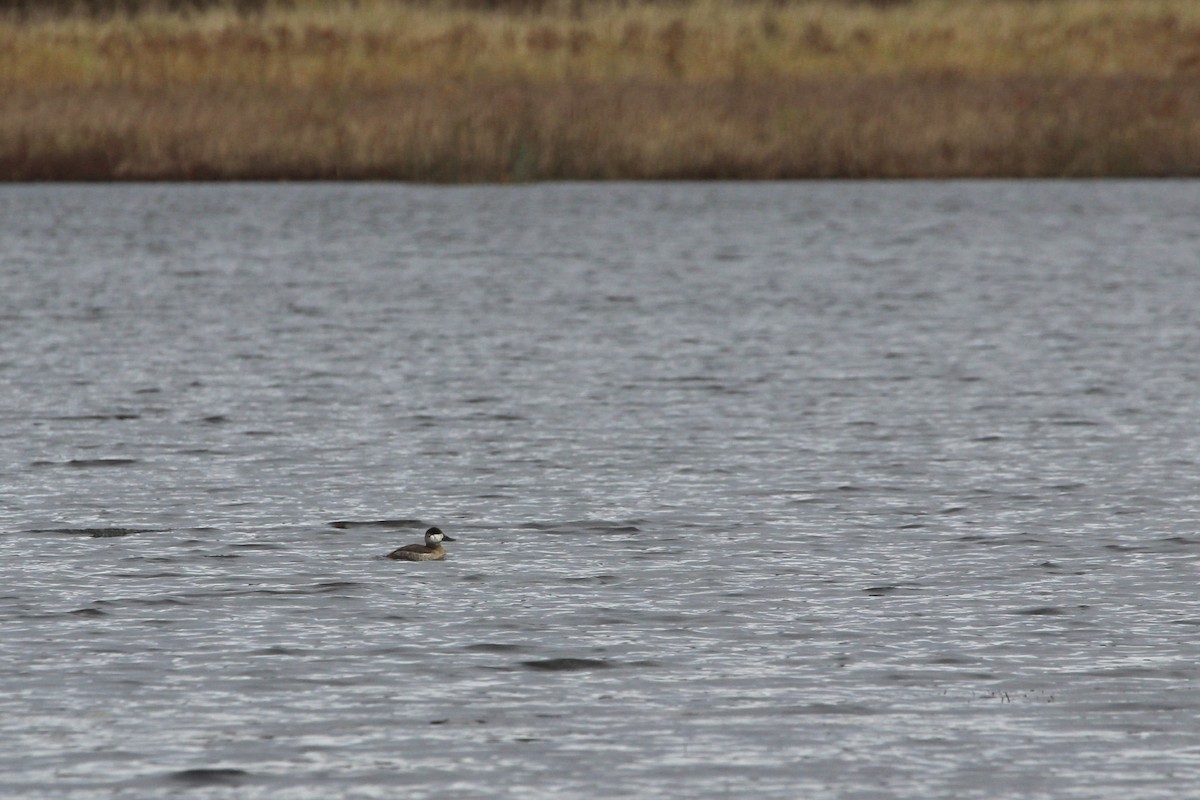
[[432, 550], [418, 552]]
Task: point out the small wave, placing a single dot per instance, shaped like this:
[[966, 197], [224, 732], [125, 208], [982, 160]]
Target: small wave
[[602, 579], [210, 776], [336, 586], [162, 601], [497, 417], [493, 647], [99, 533], [1140, 672], [951, 661], [1041, 611], [377, 523], [86, 463], [584, 526], [685, 379], [884, 591], [566, 664], [832, 709], [998, 539], [278, 650]]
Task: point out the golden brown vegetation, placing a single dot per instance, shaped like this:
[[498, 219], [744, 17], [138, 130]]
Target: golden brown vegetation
[[583, 90]]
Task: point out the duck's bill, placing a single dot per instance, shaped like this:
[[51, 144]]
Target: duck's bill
[[446, 538]]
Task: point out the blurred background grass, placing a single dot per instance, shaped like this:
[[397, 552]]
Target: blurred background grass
[[503, 90]]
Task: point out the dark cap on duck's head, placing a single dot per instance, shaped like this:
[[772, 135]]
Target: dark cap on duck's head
[[437, 535]]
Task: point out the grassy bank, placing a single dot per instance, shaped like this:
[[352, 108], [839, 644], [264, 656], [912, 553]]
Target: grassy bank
[[705, 89]]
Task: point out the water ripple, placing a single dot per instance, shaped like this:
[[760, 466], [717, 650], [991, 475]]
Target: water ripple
[[770, 490]]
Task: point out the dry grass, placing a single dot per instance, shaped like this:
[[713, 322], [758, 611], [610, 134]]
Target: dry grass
[[708, 89]]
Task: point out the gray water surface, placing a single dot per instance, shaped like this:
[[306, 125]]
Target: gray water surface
[[760, 490]]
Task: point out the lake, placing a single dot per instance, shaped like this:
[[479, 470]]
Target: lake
[[820, 490]]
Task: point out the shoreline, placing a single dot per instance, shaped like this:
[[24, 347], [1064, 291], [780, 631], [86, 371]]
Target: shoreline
[[702, 91]]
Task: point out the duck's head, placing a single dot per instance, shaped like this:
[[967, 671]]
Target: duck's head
[[435, 536]]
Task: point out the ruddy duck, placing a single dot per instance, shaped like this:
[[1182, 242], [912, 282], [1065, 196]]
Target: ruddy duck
[[432, 550]]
